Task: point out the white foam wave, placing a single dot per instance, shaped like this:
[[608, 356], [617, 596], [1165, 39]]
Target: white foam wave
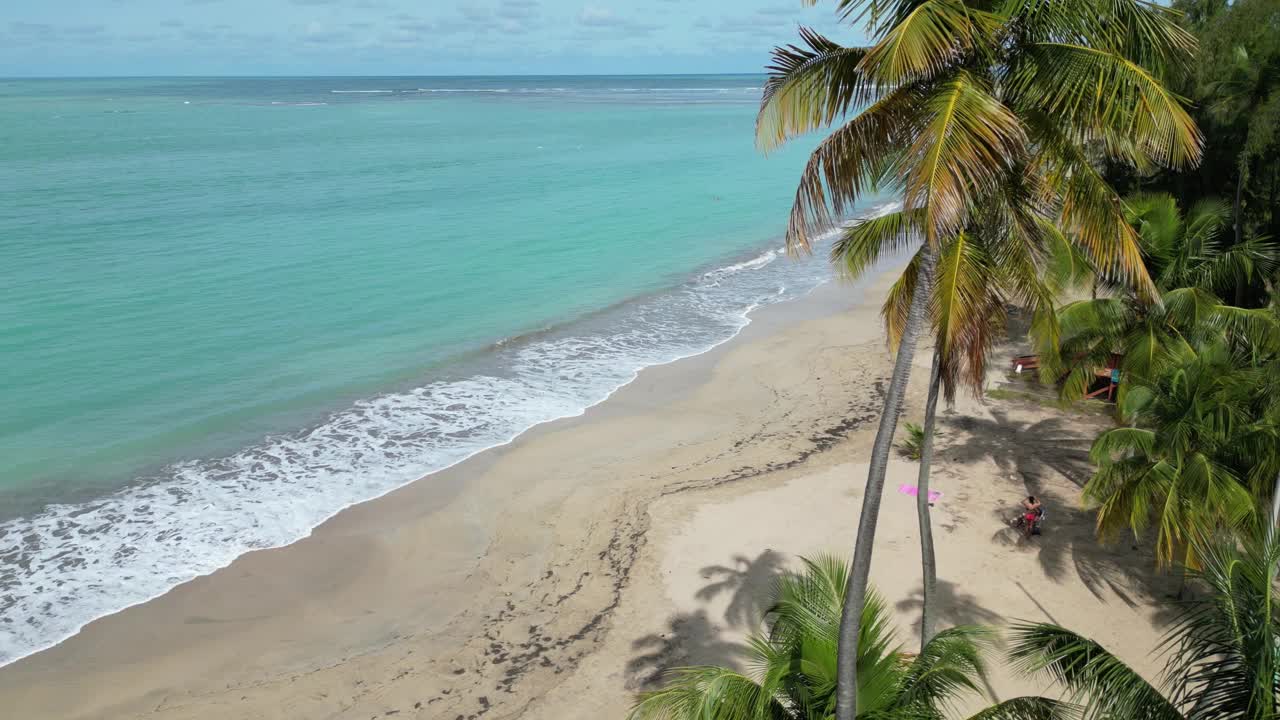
[[361, 92], [761, 260], [74, 563], [470, 90]]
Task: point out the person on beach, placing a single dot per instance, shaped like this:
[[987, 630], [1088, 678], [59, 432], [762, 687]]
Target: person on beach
[[1030, 513], [1031, 505]]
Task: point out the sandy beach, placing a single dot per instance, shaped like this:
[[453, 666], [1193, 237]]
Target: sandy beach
[[557, 575]]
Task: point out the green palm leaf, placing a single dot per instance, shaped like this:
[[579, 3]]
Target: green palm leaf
[[706, 693], [1101, 91], [859, 155], [1223, 649], [1088, 672], [1094, 215], [967, 309], [897, 302], [925, 42], [968, 140], [1122, 442], [862, 244], [810, 87], [949, 666], [1028, 708]]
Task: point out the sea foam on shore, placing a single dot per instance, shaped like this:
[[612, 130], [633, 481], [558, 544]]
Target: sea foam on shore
[[73, 563]]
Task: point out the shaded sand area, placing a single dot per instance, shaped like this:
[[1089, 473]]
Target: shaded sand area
[[553, 577]]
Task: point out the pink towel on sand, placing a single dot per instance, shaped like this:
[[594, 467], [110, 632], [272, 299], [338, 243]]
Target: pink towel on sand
[[912, 490]]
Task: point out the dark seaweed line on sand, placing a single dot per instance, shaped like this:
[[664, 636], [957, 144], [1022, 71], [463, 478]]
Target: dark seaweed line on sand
[[620, 555]]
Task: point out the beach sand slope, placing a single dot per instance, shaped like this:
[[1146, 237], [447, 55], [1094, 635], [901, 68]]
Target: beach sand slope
[[556, 576]]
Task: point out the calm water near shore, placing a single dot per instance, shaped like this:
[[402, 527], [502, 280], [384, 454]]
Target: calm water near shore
[[231, 307]]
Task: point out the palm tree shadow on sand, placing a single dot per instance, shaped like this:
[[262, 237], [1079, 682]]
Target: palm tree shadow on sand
[[690, 639], [1028, 454], [694, 638], [955, 607], [749, 583]]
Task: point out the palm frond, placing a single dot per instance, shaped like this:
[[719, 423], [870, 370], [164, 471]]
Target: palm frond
[[967, 143], [1029, 707], [1094, 216], [706, 693], [1257, 328], [1108, 687], [951, 665], [967, 310], [897, 302], [862, 244], [929, 39], [1122, 442], [809, 87], [1255, 257], [1145, 31], [855, 158], [1102, 90], [1159, 223], [1223, 654]]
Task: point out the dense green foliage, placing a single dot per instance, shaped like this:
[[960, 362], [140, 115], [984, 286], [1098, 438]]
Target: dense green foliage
[[1197, 403], [1193, 264], [1236, 88]]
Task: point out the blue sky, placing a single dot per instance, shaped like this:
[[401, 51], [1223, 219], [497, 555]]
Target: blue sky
[[398, 37]]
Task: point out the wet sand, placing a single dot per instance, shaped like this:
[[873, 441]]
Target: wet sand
[[555, 576]]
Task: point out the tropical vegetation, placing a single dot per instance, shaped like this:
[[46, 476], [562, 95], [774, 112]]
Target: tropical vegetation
[[988, 120], [1192, 267], [1113, 166], [1222, 657], [1235, 86], [793, 666]]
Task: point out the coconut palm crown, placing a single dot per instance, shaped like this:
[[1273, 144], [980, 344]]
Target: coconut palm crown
[[952, 104]]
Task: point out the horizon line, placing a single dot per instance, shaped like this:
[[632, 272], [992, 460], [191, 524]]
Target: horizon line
[[466, 75]]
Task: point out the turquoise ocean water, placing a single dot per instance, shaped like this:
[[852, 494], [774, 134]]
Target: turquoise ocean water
[[231, 307]]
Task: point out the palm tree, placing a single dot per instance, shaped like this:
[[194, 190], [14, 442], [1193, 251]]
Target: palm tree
[[954, 100], [1223, 656], [1255, 454], [1190, 268], [794, 666], [1015, 253], [1174, 464]]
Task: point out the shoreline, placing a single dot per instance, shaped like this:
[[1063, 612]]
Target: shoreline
[[446, 482], [558, 574], [749, 260]]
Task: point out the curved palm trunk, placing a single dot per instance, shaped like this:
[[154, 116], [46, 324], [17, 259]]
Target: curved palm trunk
[[856, 590], [928, 565]]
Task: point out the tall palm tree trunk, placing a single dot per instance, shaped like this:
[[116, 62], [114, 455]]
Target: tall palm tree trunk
[[928, 564], [856, 590]]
